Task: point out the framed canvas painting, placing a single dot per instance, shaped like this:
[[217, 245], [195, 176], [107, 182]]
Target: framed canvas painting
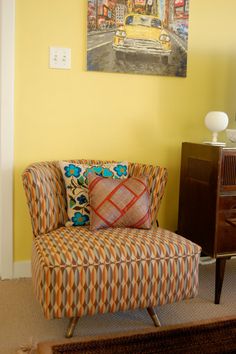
[[138, 36]]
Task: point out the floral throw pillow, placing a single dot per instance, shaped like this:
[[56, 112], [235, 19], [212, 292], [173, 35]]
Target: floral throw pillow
[[76, 181]]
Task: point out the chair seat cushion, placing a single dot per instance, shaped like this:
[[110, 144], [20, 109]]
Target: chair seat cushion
[[81, 247], [78, 272]]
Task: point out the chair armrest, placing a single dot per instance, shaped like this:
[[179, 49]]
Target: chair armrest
[[46, 196]]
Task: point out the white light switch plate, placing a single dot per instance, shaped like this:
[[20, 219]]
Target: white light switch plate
[[59, 58]]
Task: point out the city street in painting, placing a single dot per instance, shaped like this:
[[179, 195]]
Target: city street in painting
[[138, 36]]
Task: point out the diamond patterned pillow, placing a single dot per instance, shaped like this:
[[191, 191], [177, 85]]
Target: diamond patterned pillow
[[76, 181], [119, 203]]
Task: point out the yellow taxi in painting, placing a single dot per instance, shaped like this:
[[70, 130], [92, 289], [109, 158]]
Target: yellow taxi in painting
[[142, 34]]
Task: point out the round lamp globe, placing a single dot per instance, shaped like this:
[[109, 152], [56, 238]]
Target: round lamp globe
[[216, 121]]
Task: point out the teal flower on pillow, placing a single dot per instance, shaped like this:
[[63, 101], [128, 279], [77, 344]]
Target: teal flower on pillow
[[72, 170], [93, 169], [106, 172], [121, 170], [79, 219], [100, 171], [96, 169]]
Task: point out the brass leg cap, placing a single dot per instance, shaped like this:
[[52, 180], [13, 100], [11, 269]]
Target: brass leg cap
[[153, 316], [71, 327]]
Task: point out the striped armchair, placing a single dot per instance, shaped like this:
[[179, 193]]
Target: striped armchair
[[78, 272]]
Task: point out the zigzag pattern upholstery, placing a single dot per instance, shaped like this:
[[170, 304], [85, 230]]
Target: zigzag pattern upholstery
[[79, 272], [46, 194]]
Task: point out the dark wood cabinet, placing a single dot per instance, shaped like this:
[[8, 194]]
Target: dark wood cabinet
[[207, 202]]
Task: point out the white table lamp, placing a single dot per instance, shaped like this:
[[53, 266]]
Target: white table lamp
[[216, 122]]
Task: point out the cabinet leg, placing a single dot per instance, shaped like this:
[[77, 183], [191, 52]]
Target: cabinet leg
[[219, 277]]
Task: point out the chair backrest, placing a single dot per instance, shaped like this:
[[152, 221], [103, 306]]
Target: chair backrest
[[46, 194]]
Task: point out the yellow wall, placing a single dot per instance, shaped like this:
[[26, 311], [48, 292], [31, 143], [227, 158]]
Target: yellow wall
[[74, 113]]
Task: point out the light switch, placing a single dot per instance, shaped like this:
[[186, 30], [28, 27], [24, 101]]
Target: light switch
[[59, 58]]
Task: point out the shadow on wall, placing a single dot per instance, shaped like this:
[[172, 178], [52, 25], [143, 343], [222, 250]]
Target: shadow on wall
[[230, 92]]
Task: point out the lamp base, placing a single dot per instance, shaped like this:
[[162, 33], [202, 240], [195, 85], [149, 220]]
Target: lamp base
[[216, 143]]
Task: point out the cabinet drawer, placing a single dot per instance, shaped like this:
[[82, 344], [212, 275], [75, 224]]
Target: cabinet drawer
[[226, 225]]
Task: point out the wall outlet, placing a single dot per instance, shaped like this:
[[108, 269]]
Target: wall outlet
[[59, 58]]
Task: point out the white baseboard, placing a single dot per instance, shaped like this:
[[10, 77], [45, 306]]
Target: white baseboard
[[22, 269]]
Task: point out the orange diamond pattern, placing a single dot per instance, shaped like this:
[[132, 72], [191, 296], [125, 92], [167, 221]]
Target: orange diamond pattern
[[112, 269], [46, 194], [76, 271]]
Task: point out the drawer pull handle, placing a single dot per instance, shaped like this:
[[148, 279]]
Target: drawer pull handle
[[231, 221]]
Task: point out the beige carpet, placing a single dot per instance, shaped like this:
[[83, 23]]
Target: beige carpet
[[21, 320]]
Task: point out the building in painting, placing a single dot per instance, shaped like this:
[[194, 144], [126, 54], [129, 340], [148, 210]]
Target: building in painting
[[181, 9], [103, 14], [176, 13], [120, 13]]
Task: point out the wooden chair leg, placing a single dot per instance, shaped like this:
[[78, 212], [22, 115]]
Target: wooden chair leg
[[71, 327], [153, 316]]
